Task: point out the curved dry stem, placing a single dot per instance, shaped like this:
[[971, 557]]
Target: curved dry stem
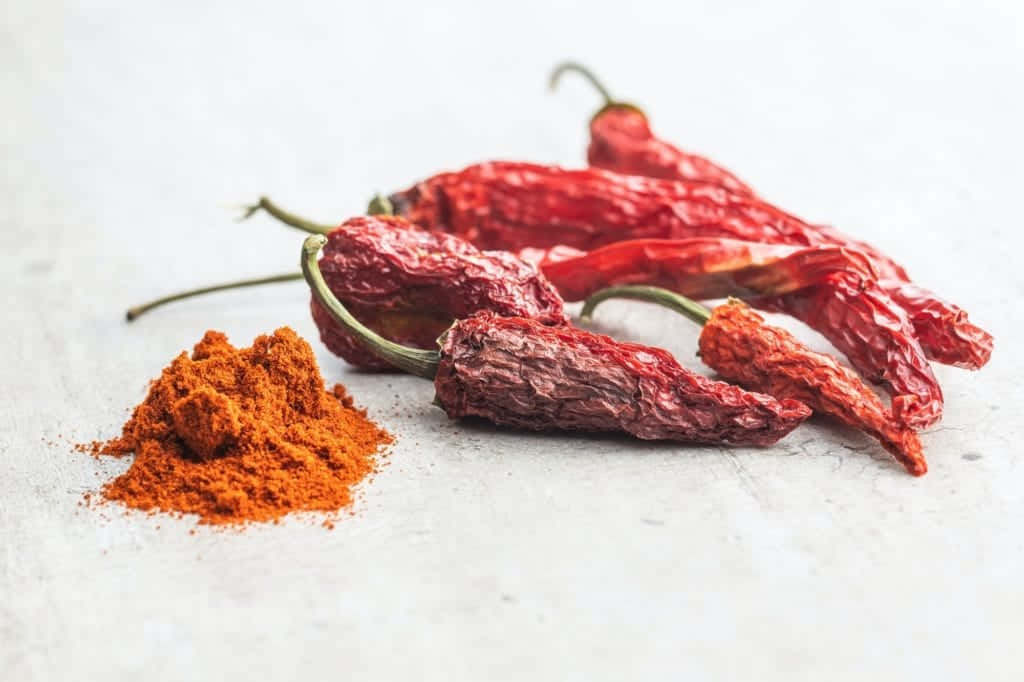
[[423, 363], [135, 311], [663, 297], [290, 219]]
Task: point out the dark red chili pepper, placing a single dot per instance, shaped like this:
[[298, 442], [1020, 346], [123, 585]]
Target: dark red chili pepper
[[875, 335], [738, 344], [520, 372], [700, 268], [408, 285], [621, 140]]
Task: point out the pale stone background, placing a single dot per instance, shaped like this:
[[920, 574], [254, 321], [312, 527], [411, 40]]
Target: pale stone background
[[129, 132]]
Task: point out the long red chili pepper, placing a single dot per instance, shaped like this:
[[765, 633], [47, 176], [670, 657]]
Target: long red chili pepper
[[700, 268], [520, 372], [520, 203], [738, 344], [621, 140]]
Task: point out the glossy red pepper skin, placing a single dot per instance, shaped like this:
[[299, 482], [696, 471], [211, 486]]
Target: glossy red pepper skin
[[621, 140], [408, 285], [738, 344], [519, 372], [516, 205], [698, 268], [876, 336]]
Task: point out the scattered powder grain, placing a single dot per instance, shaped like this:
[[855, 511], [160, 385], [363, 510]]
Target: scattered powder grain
[[238, 435]]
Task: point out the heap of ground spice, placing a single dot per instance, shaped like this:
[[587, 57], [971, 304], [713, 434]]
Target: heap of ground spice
[[238, 435]]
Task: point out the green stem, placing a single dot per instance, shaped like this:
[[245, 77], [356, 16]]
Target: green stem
[[423, 363], [285, 217], [134, 312], [562, 68], [693, 310], [380, 205]]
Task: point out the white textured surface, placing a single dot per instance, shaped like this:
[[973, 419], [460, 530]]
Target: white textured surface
[[128, 132]]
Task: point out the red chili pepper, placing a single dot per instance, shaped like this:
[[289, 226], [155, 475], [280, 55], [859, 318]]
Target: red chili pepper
[[520, 372], [875, 335], [738, 344], [699, 268], [621, 140], [408, 285]]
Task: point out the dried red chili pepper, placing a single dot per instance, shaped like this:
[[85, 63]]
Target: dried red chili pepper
[[621, 140], [862, 322], [520, 372], [408, 285], [738, 344], [700, 268]]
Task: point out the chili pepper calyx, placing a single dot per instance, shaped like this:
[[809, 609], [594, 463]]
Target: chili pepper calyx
[[380, 205]]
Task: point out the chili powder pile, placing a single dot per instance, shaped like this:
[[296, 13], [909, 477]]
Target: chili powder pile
[[238, 435]]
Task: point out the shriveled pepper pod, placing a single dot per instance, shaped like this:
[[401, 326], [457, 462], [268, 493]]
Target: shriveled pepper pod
[[621, 140], [738, 344], [520, 372], [408, 285]]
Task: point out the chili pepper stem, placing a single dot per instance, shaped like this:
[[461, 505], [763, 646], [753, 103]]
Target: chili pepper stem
[[135, 311], [564, 67], [423, 363], [380, 205], [693, 310], [285, 217]]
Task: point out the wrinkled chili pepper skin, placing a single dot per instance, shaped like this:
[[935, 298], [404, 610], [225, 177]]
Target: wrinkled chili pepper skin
[[621, 140], [862, 322], [408, 285], [943, 329], [697, 268], [519, 372], [738, 344], [502, 205]]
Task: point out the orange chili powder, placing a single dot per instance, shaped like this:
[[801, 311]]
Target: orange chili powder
[[238, 435]]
